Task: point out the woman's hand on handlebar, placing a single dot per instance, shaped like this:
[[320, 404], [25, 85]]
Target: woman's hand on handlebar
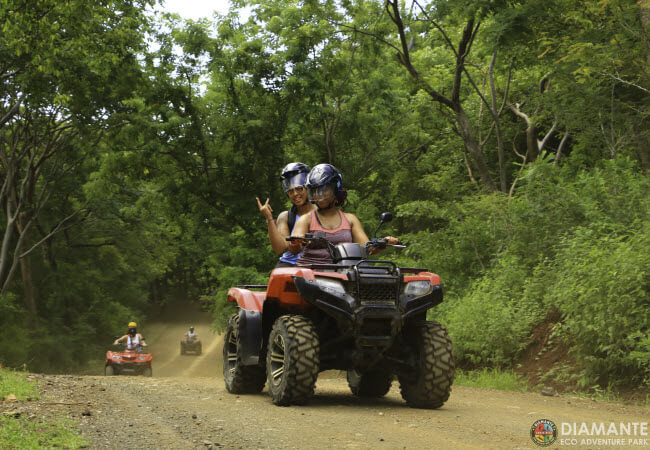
[[377, 245], [295, 246]]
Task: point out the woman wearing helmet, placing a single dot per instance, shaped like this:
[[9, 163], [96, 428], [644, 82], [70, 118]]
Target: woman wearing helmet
[[132, 338], [325, 190], [293, 178]]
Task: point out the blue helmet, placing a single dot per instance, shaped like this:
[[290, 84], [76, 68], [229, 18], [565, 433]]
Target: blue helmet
[[322, 178], [294, 175]]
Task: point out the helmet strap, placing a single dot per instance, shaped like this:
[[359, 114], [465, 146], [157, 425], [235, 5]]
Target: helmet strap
[[331, 205]]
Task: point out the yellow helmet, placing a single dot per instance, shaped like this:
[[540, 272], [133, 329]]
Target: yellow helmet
[[133, 325]]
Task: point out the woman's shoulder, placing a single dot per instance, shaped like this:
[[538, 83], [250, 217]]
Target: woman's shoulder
[[305, 217], [351, 218]]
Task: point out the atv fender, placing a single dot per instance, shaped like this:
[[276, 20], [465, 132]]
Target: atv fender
[[250, 306], [250, 336], [247, 299]]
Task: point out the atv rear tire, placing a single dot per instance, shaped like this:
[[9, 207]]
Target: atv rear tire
[[431, 384], [239, 379], [109, 371], [372, 383], [182, 350], [292, 360]]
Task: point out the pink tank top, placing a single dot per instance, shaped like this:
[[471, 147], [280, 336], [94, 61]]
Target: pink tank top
[[339, 235]]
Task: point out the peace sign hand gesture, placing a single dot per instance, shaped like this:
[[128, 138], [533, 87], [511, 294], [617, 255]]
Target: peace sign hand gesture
[[265, 209]]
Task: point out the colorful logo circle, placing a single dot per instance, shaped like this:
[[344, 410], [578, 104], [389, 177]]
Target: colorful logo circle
[[543, 432]]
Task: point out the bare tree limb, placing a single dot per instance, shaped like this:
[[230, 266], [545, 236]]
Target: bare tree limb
[[12, 111], [560, 148], [629, 83], [57, 228]]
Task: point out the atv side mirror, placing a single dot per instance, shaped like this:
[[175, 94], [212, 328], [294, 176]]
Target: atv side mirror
[[385, 217]]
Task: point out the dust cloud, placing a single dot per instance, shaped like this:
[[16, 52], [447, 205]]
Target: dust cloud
[[164, 334]]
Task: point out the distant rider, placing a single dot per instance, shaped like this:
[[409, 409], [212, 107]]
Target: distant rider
[[132, 338], [191, 335]]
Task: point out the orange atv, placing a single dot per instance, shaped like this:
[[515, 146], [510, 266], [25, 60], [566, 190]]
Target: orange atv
[[367, 317], [128, 361]]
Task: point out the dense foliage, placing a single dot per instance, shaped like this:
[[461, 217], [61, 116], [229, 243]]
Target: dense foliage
[[510, 139]]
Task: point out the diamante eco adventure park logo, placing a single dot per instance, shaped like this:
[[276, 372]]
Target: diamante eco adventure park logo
[[543, 432], [632, 434]]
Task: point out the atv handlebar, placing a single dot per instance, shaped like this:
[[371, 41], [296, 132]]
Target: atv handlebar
[[383, 243], [376, 243]]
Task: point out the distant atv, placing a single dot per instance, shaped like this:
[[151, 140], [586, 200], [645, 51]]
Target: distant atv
[[128, 362], [367, 317], [191, 345]]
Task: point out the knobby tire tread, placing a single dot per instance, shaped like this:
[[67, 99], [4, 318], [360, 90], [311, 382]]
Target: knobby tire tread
[[435, 372], [302, 364]]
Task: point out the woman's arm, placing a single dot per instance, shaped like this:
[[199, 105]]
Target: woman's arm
[[300, 229], [277, 231], [358, 235]]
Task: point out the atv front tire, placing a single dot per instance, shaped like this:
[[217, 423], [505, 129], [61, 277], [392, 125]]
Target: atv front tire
[[109, 371], [292, 360], [429, 387], [372, 383], [239, 379], [147, 372]]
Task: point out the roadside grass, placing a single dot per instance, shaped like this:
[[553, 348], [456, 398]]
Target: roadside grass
[[19, 432], [23, 433], [12, 382], [489, 378], [609, 395]]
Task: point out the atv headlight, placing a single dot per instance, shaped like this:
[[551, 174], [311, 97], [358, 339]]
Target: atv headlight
[[141, 358], [332, 285], [117, 357], [417, 287]]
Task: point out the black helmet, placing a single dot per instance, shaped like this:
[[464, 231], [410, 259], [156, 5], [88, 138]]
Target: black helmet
[[321, 178], [191, 329], [294, 175]]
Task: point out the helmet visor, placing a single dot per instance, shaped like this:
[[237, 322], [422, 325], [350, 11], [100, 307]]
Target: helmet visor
[[294, 181], [320, 193]]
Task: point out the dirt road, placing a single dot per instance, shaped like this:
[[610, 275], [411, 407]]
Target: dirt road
[[186, 406]]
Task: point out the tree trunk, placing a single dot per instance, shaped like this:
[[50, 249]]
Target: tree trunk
[[465, 131], [497, 126], [644, 13], [532, 147], [26, 273]]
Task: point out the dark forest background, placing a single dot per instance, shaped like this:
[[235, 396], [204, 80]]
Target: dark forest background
[[511, 141]]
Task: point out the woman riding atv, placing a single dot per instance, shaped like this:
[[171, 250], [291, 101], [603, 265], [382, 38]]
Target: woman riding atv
[[133, 339], [325, 190], [293, 178]]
